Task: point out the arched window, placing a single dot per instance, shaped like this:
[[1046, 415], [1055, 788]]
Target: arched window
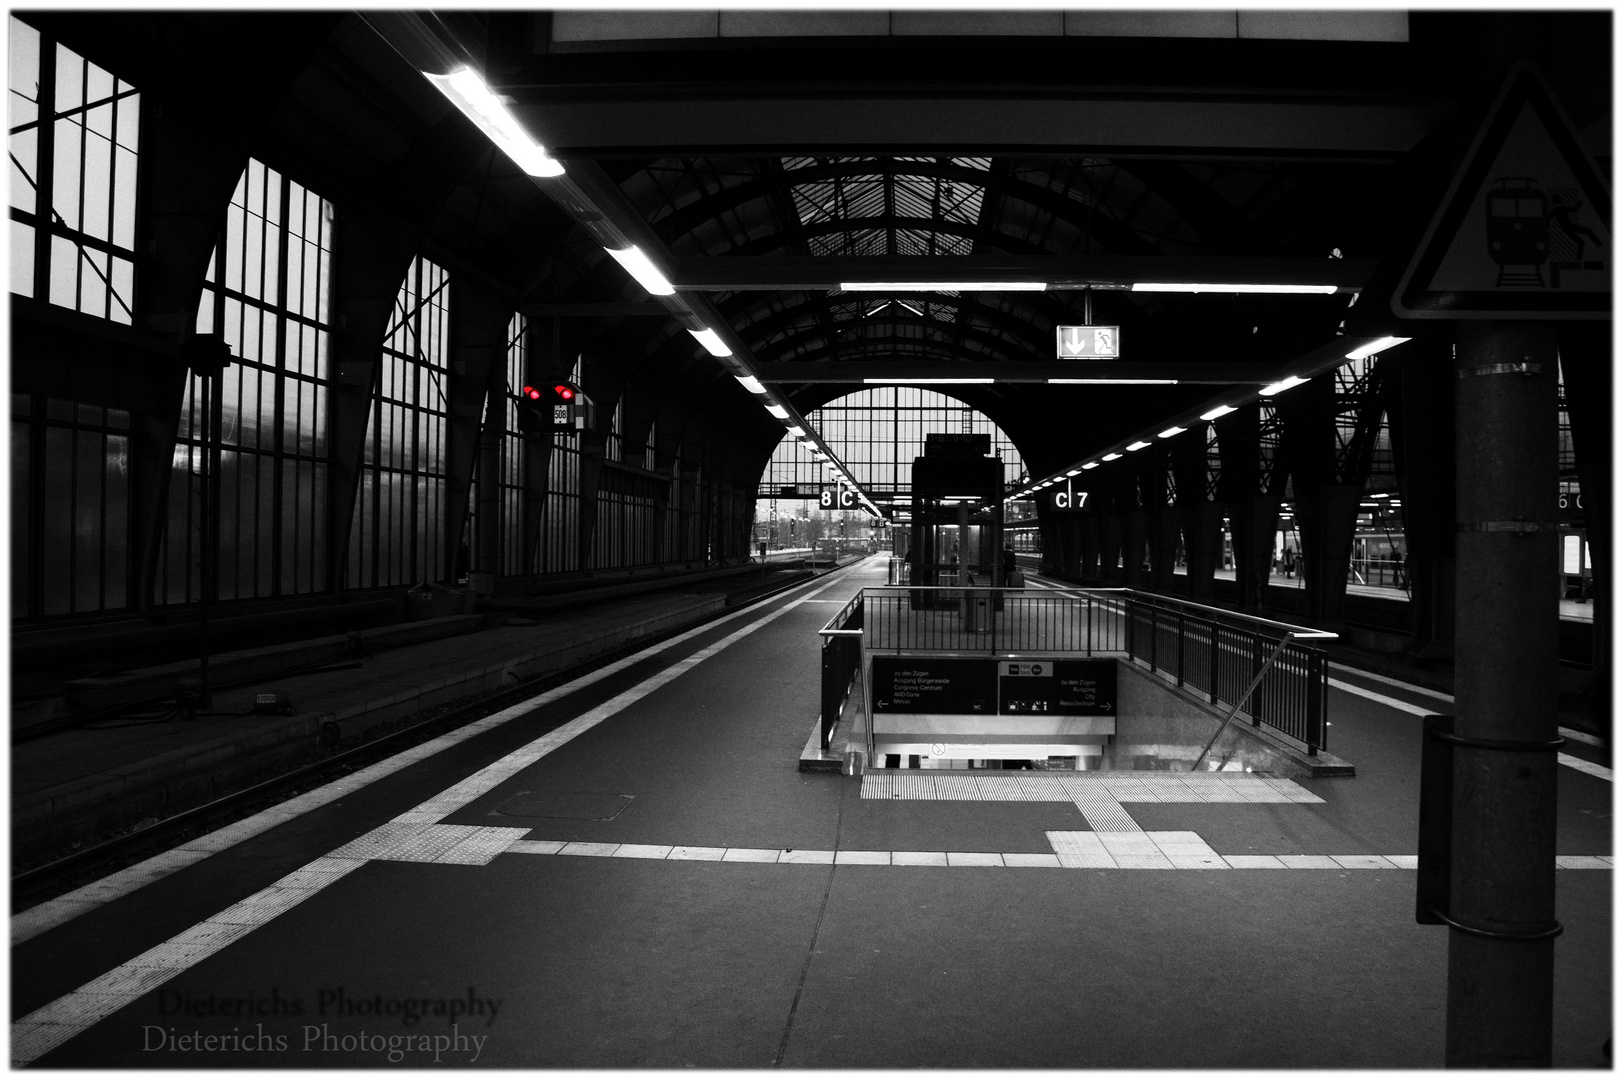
[[397, 534], [73, 178], [267, 293]]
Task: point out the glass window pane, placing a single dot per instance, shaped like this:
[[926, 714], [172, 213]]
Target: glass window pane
[[22, 259], [24, 169], [65, 185]]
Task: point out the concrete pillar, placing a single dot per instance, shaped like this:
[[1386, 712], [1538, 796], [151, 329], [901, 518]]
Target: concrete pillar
[[1135, 538], [489, 534], [1422, 428], [370, 257], [1252, 524], [1113, 504], [1253, 509], [1327, 515], [1199, 518], [1088, 527], [1502, 877], [1202, 524], [478, 354]]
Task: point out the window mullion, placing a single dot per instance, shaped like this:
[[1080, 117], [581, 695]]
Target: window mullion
[[45, 174]]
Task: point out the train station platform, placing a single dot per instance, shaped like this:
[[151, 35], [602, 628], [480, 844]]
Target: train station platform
[[74, 784], [628, 870]]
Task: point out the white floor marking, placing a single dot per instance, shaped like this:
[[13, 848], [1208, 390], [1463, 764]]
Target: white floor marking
[[1568, 760], [413, 836], [1399, 683], [1579, 736], [42, 917], [1078, 850], [1382, 699], [1584, 766]]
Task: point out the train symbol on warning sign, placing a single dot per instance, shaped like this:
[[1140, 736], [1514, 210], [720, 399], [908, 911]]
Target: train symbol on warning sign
[[1520, 241]]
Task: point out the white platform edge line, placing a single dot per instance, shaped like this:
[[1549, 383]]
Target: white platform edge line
[[40, 1037], [53, 913]]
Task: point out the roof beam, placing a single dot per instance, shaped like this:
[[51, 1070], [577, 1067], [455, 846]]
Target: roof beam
[[1226, 373], [771, 273], [700, 124]]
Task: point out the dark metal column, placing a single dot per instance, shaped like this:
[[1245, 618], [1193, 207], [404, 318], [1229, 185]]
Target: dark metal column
[[1503, 868], [1423, 449]]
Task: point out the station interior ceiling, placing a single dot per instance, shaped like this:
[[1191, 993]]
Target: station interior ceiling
[[777, 166]]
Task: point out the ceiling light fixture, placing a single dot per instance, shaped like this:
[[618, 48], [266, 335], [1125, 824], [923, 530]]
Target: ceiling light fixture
[[468, 92], [1110, 457], [797, 431], [750, 383], [1213, 414], [1282, 385], [1222, 287], [1115, 382], [915, 382], [778, 411], [1379, 345], [943, 286], [1139, 445], [642, 268], [1073, 472], [1171, 431], [1091, 465], [711, 341]]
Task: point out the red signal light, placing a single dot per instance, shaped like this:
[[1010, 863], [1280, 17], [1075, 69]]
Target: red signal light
[[564, 392], [532, 393]]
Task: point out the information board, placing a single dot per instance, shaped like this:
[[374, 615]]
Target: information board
[[933, 684], [1057, 687], [983, 686]]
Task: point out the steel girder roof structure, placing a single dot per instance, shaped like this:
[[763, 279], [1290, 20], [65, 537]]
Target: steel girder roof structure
[[763, 159]]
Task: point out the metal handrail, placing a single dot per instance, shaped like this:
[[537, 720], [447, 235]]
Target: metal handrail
[[1195, 644], [1243, 698]]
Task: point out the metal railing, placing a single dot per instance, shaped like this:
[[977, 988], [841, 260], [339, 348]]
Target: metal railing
[[842, 660], [973, 619], [1257, 666]]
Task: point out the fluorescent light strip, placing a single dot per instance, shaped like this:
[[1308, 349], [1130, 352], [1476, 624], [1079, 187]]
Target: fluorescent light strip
[[1110, 457], [1171, 431], [1379, 345], [711, 341], [797, 431], [1282, 385], [1141, 444], [750, 383], [915, 382], [1117, 382], [1073, 472], [1091, 465], [944, 286], [1213, 414], [643, 269], [1219, 287], [778, 411], [468, 92]]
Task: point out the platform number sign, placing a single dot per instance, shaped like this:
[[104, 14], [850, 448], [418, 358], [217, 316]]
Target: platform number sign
[[837, 499], [1067, 498]]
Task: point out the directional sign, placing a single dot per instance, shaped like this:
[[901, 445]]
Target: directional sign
[[1057, 688], [933, 684], [1524, 231], [1087, 342]]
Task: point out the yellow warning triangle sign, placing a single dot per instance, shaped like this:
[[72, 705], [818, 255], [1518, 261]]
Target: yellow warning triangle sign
[[1525, 230]]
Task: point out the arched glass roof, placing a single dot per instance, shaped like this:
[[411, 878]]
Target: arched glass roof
[[877, 433]]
